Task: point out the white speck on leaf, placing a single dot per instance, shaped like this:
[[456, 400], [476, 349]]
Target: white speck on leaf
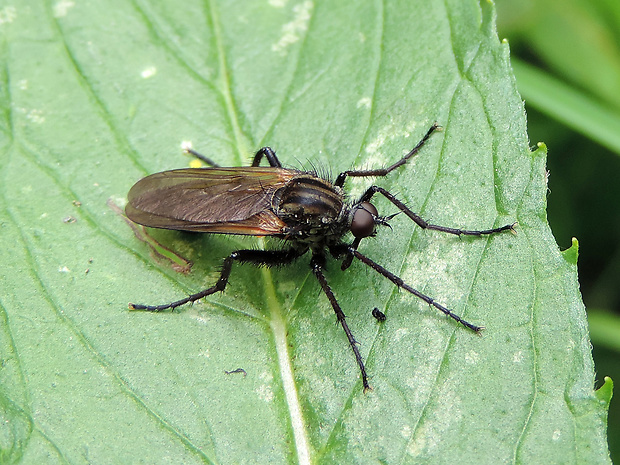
[[517, 357], [62, 7], [472, 357], [149, 72], [36, 116], [364, 102], [8, 14], [291, 31]]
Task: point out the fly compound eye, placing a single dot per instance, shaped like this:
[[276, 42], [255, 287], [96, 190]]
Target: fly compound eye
[[363, 223]]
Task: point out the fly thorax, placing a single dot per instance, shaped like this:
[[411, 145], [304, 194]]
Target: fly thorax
[[308, 204]]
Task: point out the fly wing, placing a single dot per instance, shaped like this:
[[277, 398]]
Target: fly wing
[[218, 200]]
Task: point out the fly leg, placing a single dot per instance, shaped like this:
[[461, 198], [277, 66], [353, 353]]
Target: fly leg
[[401, 206], [266, 152], [255, 257], [385, 171], [201, 157], [317, 264], [400, 283], [372, 190], [346, 263]]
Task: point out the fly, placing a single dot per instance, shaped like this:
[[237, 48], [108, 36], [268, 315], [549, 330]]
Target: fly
[[308, 212]]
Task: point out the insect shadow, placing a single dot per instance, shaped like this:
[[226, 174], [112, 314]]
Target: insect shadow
[[308, 212]]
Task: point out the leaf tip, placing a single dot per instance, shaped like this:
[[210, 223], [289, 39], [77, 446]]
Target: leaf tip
[[605, 392], [541, 149], [571, 255]]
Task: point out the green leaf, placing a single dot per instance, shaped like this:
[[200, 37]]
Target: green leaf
[[96, 95]]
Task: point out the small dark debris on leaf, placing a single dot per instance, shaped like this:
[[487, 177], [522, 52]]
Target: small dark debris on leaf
[[378, 314], [238, 370]]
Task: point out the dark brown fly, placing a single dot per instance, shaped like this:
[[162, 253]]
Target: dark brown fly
[[310, 213]]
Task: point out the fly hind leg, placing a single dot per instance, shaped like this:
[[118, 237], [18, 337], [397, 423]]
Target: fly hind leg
[[255, 257]]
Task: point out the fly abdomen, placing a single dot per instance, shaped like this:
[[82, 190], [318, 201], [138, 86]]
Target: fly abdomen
[[308, 199]]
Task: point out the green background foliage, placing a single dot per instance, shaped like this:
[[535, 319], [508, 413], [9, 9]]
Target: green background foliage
[[566, 58], [95, 96]]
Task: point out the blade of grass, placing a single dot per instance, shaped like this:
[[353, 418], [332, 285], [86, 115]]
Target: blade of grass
[[568, 105], [604, 329]]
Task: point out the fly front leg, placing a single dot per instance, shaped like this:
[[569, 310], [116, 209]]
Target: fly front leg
[[346, 263], [372, 190], [255, 257]]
